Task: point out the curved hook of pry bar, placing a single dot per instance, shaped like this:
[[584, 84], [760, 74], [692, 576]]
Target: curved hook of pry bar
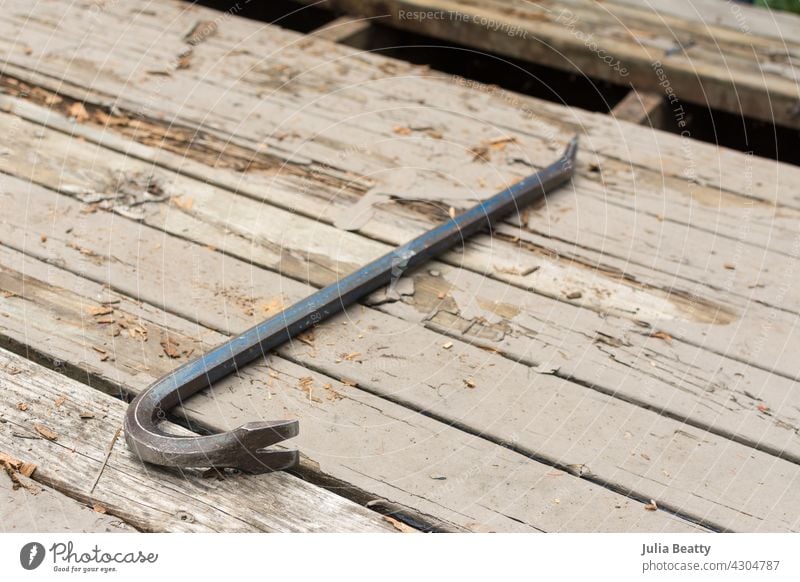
[[245, 448]]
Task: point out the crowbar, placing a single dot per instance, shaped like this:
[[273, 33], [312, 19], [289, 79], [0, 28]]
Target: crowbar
[[245, 448]]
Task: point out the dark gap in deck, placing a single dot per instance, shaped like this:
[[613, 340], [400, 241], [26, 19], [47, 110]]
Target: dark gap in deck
[[737, 132], [512, 74], [283, 13], [702, 123]]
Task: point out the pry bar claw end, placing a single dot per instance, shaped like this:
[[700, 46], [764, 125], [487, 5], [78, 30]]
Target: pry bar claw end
[[245, 448]]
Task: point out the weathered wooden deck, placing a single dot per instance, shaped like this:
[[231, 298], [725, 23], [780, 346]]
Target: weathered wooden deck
[[724, 55], [171, 175]]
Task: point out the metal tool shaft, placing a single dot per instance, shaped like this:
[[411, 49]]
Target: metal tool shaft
[[243, 447]]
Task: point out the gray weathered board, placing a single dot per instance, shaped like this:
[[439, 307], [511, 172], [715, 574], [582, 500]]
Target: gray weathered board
[[581, 364], [67, 428], [725, 55]]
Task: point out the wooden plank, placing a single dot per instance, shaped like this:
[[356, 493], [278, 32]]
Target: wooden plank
[[407, 155], [35, 508], [83, 422], [655, 220], [619, 280], [607, 353], [641, 108], [342, 28], [722, 63], [363, 442], [429, 385]]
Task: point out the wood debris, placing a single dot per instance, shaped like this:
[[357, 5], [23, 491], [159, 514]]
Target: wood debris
[[103, 353], [330, 393], [652, 506], [351, 356], [399, 525], [22, 406], [447, 345], [45, 432], [348, 382], [306, 384], [78, 112], [401, 130], [14, 468], [662, 335], [574, 295], [60, 400], [182, 202], [85, 415], [170, 348], [307, 338], [469, 383], [101, 310], [99, 507]]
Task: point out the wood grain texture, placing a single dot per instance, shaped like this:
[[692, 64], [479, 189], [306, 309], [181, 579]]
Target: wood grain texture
[[360, 439], [644, 316], [458, 384], [150, 498], [36, 508], [729, 57], [709, 390]]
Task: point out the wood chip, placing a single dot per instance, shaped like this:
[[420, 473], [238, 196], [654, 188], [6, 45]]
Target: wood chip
[[399, 525], [574, 295], [351, 356], [45, 432], [99, 508], [469, 382], [101, 310], [170, 348], [652, 506], [22, 406], [182, 202], [60, 400], [86, 415], [401, 130], [78, 112], [730, 266], [348, 382], [447, 345], [662, 335], [306, 384]]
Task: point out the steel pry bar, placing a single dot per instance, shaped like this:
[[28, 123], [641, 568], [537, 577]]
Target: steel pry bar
[[245, 447]]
